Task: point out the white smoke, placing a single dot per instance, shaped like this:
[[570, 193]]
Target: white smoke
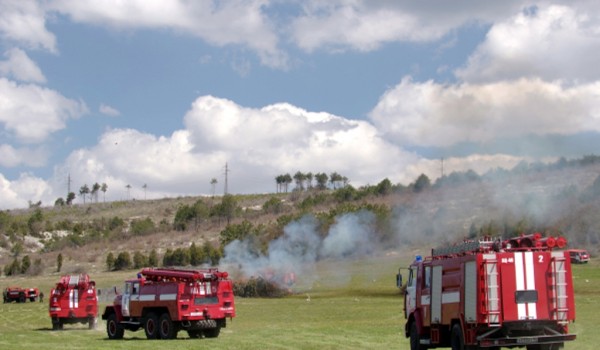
[[300, 247]]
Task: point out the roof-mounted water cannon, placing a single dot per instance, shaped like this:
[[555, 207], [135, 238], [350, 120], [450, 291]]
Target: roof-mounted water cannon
[[524, 241]]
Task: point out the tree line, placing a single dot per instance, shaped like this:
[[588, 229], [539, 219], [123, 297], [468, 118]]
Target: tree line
[[304, 181]]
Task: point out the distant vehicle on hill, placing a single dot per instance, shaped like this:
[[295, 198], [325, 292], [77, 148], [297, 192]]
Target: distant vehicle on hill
[[579, 256]]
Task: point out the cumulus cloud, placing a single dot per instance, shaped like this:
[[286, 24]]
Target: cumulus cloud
[[365, 25], [218, 23], [432, 114], [19, 66], [32, 113], [550, 42], [12, 157], [24, 22], [257, 143], [109, 111], [18, 193]]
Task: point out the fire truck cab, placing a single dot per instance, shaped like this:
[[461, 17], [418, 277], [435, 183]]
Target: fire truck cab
[[164, 301], [491, 294]]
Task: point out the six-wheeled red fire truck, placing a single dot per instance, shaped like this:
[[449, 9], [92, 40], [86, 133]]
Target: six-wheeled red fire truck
[[165, 301], [20, 295], [491, 294], [73, 300]]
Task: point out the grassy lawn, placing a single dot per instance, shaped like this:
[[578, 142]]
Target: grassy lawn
[[349, 306]]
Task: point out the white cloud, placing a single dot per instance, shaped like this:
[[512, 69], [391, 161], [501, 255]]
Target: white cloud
[[257, 144], [18, 193], [109, 111], [432, 114], [21, 67], [32, 112], [235, 22], [12, 157], [24, 22], [550, 42], [365, 25]]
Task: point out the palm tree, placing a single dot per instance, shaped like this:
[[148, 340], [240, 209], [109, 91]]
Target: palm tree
[[103, 188], [321, 180], [128, 188], [299, 178], [83, 191], [95, 190], [145, 187]]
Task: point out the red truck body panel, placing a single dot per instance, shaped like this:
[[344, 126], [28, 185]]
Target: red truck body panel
[[488, 295]]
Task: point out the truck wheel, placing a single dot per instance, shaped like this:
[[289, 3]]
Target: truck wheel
[[151, 326], [457, 341], [166, 328], [415, 339], [212, 332], [113, 329], [92, 323], [32, 299]]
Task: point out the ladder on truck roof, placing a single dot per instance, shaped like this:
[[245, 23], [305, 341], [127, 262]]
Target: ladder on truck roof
[[560, 305], [490, 286]]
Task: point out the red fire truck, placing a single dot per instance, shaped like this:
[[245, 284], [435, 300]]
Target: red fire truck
[[491, 294], [165, 301], [20, 295], [73, 300]]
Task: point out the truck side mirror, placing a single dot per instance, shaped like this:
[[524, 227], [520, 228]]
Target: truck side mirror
[[399, 280]]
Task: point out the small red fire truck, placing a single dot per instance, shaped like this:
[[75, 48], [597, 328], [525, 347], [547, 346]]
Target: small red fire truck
[[73, 300], [20, 295], [165, 301], [491, 294]]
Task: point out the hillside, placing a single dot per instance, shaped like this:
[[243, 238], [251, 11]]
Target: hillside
[[346, 223]]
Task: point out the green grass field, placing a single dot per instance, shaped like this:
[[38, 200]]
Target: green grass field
[[351, 305]]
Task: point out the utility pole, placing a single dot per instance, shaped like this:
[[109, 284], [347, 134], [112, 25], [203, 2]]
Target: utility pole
[[226, 175]]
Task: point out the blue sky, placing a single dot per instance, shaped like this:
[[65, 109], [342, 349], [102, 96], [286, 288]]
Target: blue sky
[[164, 93]]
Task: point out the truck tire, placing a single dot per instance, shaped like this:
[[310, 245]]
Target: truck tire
[[212, 332], [166, 328], [456, 339], [91, 323], [55, 324], [415, 339], [113, 328], [151, 326], [32, 299]]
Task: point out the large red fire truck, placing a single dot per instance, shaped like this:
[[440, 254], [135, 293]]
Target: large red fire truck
[[165, 301], [491, 294], [20, 295], [73, 300]]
